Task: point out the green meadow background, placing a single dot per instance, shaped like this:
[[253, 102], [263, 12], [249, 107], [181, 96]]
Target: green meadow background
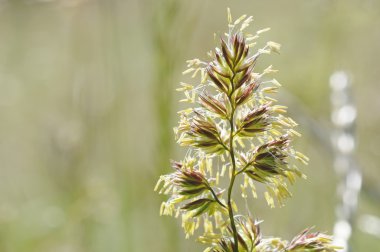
[[87, 106]]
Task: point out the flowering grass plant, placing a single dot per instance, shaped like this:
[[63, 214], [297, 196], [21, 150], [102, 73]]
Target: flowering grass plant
[[237, 136]]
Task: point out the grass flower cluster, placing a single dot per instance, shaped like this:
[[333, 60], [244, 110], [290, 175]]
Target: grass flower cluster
[[237, 136]]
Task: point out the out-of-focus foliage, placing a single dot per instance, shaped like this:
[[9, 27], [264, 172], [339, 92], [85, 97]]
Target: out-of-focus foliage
[[80, 132]]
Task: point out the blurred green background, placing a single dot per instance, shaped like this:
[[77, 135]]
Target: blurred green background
[[87, 106]]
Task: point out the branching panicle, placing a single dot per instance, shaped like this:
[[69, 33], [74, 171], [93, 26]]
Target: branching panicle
[[238, 130]]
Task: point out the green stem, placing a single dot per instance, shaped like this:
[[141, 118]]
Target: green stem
[[243, 169], [216, 197], [233, 175], [224, 146]]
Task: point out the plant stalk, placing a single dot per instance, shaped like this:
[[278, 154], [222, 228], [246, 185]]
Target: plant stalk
[[233, 175], [215, 196]]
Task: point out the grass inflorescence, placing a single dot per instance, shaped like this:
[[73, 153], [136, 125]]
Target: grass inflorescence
[[234, 128]]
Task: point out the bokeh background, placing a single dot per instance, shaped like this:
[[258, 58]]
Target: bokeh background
[[87, 106]]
